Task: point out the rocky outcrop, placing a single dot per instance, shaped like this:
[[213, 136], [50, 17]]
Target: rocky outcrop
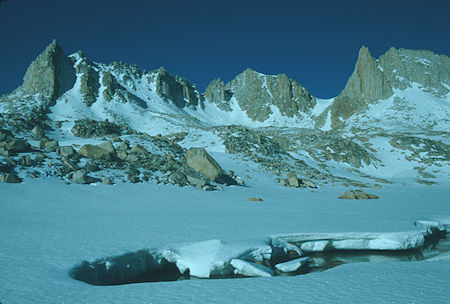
[[218, 94], [50, 75], [373, 80], [88, 128], [357, 194], [256, 93], [402, 67], [293, 181], [366, 84], [176, 89], [89, 87]]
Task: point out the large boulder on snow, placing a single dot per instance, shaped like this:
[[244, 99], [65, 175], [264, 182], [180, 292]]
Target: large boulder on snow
[[200, 161], [104, 151], [357, 194]]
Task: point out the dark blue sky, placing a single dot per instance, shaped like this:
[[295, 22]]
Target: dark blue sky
[[314, 42]]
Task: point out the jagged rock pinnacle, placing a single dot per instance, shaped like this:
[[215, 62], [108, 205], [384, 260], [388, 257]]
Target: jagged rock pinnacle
[[50, 75]]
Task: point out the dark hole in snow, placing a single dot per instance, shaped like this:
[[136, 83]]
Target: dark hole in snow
[[135, 267], [142, 266]]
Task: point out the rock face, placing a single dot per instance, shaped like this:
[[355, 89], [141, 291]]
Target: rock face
[[256, 93], [90, 84], [218, 94], [50, 75], [200, 161], [177, 89], [357, 194], [374, 80]]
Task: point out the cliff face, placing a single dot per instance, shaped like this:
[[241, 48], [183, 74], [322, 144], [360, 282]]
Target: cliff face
[[373, 80], [50, 75], [257, 93]]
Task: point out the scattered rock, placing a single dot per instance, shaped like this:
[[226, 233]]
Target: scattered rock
[[107, 181], [26, 161], [254, 199], [14, 146], [10, 178], [138, 149], [38, 132], [69, 164], [87, 128], [67, 151], [357, 194]]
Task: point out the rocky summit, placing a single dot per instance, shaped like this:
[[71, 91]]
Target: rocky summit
[[89, 122]]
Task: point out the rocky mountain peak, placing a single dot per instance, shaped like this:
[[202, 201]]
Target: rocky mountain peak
[[257, 93], [50, 75]]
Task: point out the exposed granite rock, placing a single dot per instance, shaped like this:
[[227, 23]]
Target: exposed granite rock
[[96, 152], [423, 150], [199, 160], [256, 93], [357, 194], [90, 84], [38, 132], [218, 94], [402, 67], [87, 128], [177, 89], [10, 178], [50, 75], [366, 84], [374, 80], [14, 146]]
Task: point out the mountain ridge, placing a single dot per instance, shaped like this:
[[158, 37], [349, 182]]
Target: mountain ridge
[[251, 98]]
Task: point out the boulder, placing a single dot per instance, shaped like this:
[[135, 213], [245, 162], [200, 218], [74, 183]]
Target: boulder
[[38, 132], [67, 151], [69, 164], [10, 178], [108, 146], [308, 183], [197, 181], [79, 177], [107, 181], [200, 161], [5, 134], [138, 149], [357, 194], [254, 199], [15, 146], [292, 180], [96, 152], [51, 145]]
